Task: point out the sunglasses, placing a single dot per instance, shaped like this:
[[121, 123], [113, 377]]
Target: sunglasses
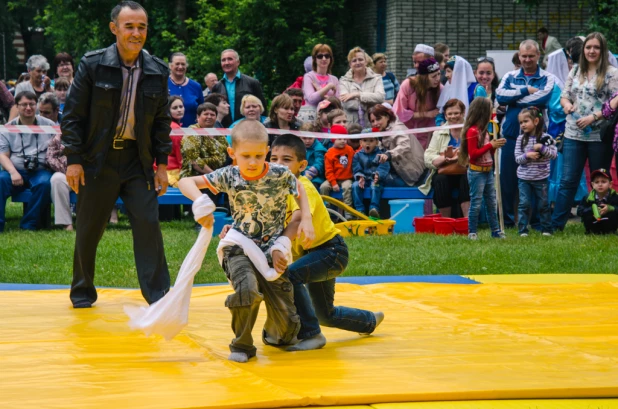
[[482, 59], [322, 56]]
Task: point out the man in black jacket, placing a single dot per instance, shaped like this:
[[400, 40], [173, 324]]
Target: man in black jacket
[[235, 85], [115, 126]]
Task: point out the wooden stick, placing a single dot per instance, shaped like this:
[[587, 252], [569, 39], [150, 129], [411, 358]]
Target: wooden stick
[[497, 176]]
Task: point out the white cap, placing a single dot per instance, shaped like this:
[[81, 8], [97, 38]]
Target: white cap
[[422, 48]]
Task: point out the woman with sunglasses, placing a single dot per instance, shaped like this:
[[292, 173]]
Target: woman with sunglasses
[[319, 83]]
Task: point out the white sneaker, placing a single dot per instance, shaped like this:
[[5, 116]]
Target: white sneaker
[[547, 234], [472, 236], [523, 235]]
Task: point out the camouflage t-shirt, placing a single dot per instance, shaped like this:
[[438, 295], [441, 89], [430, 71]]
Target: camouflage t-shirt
[[258, 205], [203, 150]]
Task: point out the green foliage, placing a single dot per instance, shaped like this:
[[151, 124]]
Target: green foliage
[[273, 37], [605, 20]]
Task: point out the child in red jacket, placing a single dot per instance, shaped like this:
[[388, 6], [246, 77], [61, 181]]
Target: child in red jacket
[[338, 167]]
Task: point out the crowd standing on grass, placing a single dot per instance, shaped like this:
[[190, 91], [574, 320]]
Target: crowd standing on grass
[[117, 110], [574, 89]]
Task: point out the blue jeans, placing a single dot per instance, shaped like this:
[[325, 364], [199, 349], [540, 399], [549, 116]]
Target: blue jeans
[[315, 302], [598, 154], [39, 184], [529, 190], [482, 187], [358, 194]]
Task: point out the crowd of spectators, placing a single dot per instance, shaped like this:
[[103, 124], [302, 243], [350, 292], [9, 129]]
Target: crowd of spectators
[[575, 89]]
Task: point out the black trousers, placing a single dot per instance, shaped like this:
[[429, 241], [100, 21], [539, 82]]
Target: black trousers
[[608, 225], [443, 186], [122, 175]]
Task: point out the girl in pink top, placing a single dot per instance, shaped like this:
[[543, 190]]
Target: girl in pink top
[[416, 103], [319, 84]]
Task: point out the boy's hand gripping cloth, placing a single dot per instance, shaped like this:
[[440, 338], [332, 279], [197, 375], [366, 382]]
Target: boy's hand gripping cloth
[[255, 254], [170, 314]]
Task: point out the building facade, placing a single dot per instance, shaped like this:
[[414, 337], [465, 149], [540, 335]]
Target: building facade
[[469, 27]]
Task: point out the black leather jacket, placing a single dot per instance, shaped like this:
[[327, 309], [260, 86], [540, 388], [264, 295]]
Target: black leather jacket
[[92, 110]]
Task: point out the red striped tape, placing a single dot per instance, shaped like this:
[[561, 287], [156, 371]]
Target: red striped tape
[[36, 129]]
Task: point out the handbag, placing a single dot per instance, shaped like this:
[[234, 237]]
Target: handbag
[[452, 168], [608, 129]]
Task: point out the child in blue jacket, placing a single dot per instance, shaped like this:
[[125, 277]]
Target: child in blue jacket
[[315, 156], [369, 172]]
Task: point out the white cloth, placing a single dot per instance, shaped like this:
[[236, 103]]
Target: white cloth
[[558, 65], [170, 314], [423, 48], [462, 77], [255, 254]]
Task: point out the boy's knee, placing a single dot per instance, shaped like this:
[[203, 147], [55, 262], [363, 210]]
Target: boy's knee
[[245, 294]]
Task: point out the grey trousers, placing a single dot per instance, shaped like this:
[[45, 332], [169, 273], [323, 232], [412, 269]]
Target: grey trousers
[[250, 288], [60, 195], [346, 190]]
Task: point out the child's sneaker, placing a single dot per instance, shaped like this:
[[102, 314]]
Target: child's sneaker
[[374, 213], [523, 235], [473, 236], [498, 234], [547, 234]]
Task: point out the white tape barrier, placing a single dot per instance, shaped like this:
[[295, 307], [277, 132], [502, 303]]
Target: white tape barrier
[[38, 129]]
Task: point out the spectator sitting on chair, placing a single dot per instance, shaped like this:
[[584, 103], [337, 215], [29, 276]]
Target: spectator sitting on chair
[[201, 154], [251, 108], [61, 89], [297, 97], [23, 158], [60, 189], [442, 151], [223, 108], [403, 151], [315, 155], [49, 107]]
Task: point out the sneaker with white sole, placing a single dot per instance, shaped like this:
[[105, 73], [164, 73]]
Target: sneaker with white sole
[[547, 234], [523, 235], [473, 236], [498, 234]]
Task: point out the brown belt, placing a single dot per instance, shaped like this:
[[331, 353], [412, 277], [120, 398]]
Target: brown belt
[[480, 168]]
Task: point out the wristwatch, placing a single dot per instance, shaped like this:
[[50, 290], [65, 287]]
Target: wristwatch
[[594, 115]]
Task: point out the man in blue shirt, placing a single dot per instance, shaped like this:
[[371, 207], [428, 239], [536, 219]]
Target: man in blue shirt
[[523, 88], [235, 85]]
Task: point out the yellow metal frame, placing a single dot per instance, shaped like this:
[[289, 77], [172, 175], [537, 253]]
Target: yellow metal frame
[[362, 227]]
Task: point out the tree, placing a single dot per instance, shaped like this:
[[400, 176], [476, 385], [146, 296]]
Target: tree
[[603, 18], [273, 37]]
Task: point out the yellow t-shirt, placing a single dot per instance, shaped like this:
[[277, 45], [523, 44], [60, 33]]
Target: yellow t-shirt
[[322, 224]]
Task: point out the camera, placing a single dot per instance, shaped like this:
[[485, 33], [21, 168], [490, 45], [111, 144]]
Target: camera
[[31, 162]]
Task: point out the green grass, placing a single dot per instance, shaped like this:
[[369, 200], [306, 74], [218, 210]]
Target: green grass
[[45, 257]]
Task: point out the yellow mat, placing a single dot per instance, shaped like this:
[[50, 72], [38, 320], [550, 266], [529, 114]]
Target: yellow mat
[[439, 342]]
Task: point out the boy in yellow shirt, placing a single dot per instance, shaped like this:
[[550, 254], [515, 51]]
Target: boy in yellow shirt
[[320, 264]]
